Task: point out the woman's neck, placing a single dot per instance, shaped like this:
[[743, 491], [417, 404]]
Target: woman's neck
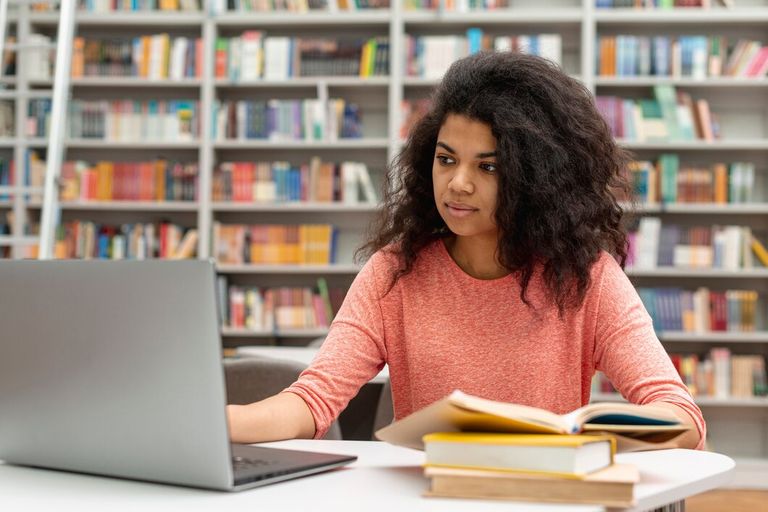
[[476, 258]]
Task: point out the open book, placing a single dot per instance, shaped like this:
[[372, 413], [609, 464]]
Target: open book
[[635, 427]]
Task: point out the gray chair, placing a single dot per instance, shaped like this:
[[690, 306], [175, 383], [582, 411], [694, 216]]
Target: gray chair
[[251, 379], [384, 410]]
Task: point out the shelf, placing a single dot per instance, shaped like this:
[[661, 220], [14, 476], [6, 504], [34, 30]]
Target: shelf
[[298, 82], [289, 269], [225, 206], [7, 142], [154, 206], [718, 145], [37, 142], [714, 337], [300, 144], [147, 144], [6, 241], [702, 208], [278, 333], [572, 15], [701, 401], [6, 203], [739, 16], [752, 273], [333, 19], [709, 82], [417, 81], [136, 20], [108, 81]]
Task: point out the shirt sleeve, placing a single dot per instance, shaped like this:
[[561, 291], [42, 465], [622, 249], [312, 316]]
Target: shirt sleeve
[[628, 351], [352, 353]]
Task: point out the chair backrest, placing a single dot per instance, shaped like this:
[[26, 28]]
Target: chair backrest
[[251, 379], [384, 410]]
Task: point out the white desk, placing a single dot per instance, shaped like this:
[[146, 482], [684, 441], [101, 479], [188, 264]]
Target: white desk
[[303, 355], [385, 478]]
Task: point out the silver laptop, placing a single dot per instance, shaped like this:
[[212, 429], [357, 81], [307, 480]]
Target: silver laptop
[[115, 368]]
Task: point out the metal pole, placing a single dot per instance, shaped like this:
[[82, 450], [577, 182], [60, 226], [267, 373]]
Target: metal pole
[[58, 128]]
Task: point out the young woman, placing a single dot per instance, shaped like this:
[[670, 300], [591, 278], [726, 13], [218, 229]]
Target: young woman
[[493, 268]]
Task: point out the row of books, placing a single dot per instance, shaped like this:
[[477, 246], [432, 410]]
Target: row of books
[[456, 5], [154, 57], [89, 240], [666, 182], [317, 181], [716, 374], [158, 180], [105, 6], [253, 56], [155, 180], [431, 56], [287, 120], [275, 309], [273, 244], [652, 245], [670, 115], [134, 120], [702, 310], [38, 117], [696, 56], [297, 6], [661, 4]]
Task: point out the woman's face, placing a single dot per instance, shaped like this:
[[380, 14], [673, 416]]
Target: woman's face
[[464, 177]]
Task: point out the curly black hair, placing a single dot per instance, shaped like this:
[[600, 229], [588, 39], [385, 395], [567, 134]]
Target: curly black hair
[[559, 171]]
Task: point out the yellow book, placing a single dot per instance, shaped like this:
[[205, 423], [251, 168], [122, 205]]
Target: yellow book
[[569, 456], [365, 59], [760, 251], [104, 172]]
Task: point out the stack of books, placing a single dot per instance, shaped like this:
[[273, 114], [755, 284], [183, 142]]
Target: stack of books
[[479, 448], [557, 468]]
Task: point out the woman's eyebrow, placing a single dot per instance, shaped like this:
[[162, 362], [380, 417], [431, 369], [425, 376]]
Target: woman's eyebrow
[[451, 150]]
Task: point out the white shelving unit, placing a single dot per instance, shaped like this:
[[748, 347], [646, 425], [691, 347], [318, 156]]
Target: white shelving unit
[[737, 426]]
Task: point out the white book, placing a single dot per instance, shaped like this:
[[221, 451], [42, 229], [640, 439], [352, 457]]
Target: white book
[[502, 44], [250, 68], [349, 182], [178, 58], [118, 247], [221, 120], [648, 242], [277, 55], [332, 120], [38, 57], [364, 177], [732, 247], [551, 47]]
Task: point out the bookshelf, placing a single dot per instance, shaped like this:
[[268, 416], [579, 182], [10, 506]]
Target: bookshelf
[[742, 102]]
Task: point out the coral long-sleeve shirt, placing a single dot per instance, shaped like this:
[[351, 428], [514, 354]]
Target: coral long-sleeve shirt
[[440, 329]]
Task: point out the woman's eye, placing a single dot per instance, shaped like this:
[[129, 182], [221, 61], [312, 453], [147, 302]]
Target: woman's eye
[[444, 160], [488, 167]]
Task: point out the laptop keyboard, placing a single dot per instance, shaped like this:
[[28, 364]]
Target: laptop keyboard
[[245, 463]]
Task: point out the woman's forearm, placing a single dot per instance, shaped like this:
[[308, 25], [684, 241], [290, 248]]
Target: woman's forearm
[[690, 438], [282, 416]]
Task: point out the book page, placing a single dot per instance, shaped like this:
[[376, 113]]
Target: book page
[[624, 414], [461, 412]]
